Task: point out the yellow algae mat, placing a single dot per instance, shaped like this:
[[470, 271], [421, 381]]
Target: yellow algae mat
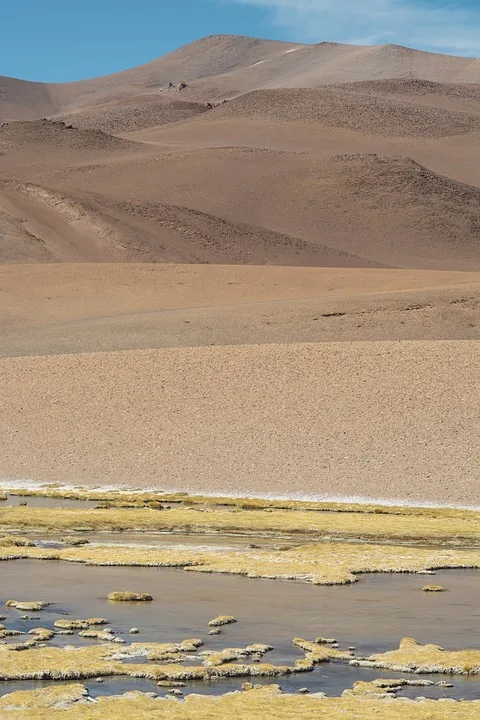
[[266, 703], [246, 516], [399, 539], [321, 564]]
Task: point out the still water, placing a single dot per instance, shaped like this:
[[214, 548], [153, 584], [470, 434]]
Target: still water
[[373, 615]]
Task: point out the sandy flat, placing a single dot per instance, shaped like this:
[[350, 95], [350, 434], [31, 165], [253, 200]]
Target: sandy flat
[[51, 309], [383, 420], [47, 293]]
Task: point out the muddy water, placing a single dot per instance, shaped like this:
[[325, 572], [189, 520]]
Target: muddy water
[[83, 503], [372, 615], [331, 679], [208, 542], [222, 543], [46, 502]]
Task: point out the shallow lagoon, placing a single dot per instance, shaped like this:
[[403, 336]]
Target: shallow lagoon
[[372, 615]]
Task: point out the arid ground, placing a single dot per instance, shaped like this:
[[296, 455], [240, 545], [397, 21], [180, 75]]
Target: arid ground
[[264, 283]]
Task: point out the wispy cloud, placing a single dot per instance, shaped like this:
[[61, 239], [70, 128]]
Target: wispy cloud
[[452, 27]]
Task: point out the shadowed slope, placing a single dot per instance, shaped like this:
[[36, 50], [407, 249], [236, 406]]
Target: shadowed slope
[[387, 210], [141, 111], [40, 224], [23, 100]]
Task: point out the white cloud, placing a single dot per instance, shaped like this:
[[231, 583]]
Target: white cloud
[[435, 25]]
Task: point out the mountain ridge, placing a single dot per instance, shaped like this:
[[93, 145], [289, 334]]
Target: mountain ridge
[[242, 64]]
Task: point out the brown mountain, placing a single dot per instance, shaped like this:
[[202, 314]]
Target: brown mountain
[[222, 66], [296, 168]]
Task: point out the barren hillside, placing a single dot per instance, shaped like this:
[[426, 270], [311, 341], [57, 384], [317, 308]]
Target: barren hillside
[[55, 136], [263, 282], [141, 111], [205, 58], [244, 205], [63, 227], [223, 66], [354, 107]]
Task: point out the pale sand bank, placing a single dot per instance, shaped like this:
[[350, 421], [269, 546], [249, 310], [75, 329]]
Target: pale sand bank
[[382, 420]]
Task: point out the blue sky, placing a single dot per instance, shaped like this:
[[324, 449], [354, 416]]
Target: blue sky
[[59, 40]]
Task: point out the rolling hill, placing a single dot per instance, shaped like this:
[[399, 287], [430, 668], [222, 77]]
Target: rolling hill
[[248, 266]]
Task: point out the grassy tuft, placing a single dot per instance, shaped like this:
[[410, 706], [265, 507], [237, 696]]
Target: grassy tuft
[[453, 527], [433, 588], [36, 606], [415, 658], [321, 564], [222, 620], [129, 597], [15, 541]]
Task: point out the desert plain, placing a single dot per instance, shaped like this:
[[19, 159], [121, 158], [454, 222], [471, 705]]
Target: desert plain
[[248, 271], [265, 282]]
